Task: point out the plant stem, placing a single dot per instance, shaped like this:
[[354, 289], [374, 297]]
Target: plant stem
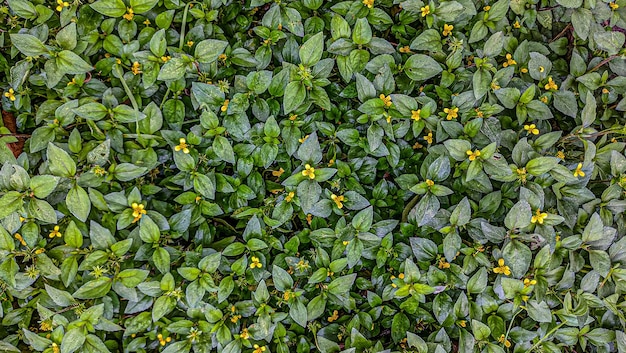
[[546, 336]]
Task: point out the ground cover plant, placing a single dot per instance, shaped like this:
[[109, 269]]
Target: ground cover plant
[[292, 176]]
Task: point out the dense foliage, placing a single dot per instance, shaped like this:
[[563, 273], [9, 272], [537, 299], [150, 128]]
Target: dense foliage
[[294, 176]]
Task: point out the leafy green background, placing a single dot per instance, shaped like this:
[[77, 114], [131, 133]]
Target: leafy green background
[[295, 176]]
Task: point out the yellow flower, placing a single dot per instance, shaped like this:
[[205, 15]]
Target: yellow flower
[[405, 49], [529, 282], [430, 182], [62, 4], [453, 113], [256, 263], [130, 14], [165, 58], [45, 325], [429, 138], [495, 86], [425, 10], [386, 100], [224, 107], [605, 91], [462, 323], [135, 69], [541, 69], [613, 5], [415, 114], [447, 29], [244, 334], [182, 146], [10, 94], [538, 217], [443, 264], [388, 118], [532, 129], [55, 233], [579, 171], [401, 276], [551, 85], [301, 140], [147, 22], [544, 99], [368, 3], [278, 173], [287, 295], [138, 211], [516, 24], [479, 113], [502, 268], [72, 82], [290, 196], [39, 251], [472, 155], [259, 349], [345, 242], [309, 171], [523, 70], [309, 218], [338, 200], [560, 155], [487, 8], [19, 238], [509, 61], [293, 117], [118, 61], [506, 342], [222, 57], [334, 317], [417, 145], [235, 318], [55, 348], [190, 43]]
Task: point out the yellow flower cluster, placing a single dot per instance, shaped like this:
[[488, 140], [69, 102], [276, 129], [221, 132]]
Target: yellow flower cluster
[[338, 200], [309, 171], [386, 100], [502, 268], [532, 129], [129, 15], [138, 211], [538, 217], [509, 61], [182, 146], [452, 113], [62, 4], [10, 94], [472, 155], [55, 233], [163, 341]]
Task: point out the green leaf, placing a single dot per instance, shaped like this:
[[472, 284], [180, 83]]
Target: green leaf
[[362, 33], [78, 203], [311, 50], [60, 162], [72, 340], [295, 94], [519, 215], [208, 50], [28, 44], [111, 8], [161, 259], [421, 67], [223, 149], [93, 289]]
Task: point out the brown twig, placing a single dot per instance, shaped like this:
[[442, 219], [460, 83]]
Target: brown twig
[[603, 62], [569, 25]]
